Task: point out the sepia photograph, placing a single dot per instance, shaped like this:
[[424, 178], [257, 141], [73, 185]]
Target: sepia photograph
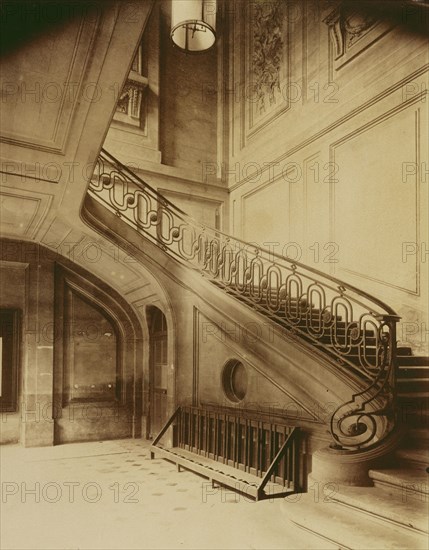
[[214, 283]]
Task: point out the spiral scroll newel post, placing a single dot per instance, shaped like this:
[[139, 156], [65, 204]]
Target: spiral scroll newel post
[[370, 415]]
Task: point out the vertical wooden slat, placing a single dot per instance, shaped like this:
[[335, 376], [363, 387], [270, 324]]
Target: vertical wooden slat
[[295, 452], [218, 437], [207, 436], [215, 449], [272, 447], [260, 435], [225, 436], [291, 463], [278, 445], [239, 441], [244, 442], [179, 429], [236, 441], [183, 419], [246, 445], [221, 426], [193, 422], [191, 433], [265, 432], [283, 461], [203, 432], [230, 441], [199, 415], [292, 458]]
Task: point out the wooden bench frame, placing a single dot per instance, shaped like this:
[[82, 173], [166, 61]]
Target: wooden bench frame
[[274, 467]]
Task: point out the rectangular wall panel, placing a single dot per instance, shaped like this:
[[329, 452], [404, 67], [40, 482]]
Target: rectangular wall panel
[[375, 206]]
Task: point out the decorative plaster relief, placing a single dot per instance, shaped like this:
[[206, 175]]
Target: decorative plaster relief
[[352, 31], [267, 56], [267, 65]]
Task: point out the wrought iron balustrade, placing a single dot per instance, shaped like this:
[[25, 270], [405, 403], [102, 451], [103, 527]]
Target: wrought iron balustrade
[[353, 329]]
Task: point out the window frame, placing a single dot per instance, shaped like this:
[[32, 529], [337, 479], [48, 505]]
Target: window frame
[[9, 398]]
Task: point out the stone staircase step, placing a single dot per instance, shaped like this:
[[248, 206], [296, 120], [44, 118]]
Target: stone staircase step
[[412, 385], [303, 318], [416, 438], [413, 413], [327, 338], [413, 361], [413, 372], [341, 528], [378, 502], [403, 351], [423, 395], [406, 482], [413, 457]]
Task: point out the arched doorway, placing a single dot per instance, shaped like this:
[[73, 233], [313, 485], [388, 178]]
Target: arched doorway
[[97, 347], [158, 370]]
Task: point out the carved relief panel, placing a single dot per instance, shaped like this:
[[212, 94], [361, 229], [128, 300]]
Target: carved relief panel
[[267, 63], [352, 31]]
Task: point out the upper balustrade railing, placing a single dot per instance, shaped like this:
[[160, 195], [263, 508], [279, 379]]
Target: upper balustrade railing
[[354, 329]]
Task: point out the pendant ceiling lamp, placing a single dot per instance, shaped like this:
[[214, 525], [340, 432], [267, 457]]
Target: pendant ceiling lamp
[[193, 24]]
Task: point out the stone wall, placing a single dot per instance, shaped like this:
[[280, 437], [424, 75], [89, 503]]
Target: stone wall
[[327, 142]]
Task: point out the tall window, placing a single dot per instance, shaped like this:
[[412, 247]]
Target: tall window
[[129, 107], [134, 132], [9, 356]]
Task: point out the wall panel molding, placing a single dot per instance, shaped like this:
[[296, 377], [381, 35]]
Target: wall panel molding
[[54, 74], [30, 207], [354, 113], [370, 126], [235, 350]]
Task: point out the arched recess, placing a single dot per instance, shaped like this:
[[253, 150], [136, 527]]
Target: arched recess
[[98, 358]]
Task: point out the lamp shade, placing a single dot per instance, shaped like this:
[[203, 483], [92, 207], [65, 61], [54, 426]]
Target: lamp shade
[[193, 24]]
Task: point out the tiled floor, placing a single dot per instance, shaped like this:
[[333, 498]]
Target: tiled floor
[[110, 495]]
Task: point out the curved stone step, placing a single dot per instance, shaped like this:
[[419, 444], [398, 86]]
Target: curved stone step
[[413, 372], [382, 504], [345, 528], [408, 483], [413, 457], [413, 361], [416, 438], [423, 395], [413, 385]]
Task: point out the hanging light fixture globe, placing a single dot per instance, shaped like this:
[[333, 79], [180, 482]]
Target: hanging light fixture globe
[[193, 24]]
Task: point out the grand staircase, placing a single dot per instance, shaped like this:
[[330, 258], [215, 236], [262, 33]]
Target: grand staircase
[[342, 325]]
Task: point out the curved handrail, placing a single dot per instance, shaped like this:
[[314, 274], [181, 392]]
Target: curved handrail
[[190, 220], [354, 329]]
